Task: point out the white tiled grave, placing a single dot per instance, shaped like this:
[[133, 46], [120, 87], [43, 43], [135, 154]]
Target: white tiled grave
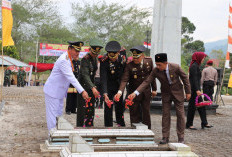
[[103, 137], [140, 136], [65, 152], [109, 142], [80, 148]]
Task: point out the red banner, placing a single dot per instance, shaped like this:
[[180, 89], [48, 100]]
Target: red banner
[[59, 49]]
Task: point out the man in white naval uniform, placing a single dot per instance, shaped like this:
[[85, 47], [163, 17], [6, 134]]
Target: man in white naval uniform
[[57, 84]]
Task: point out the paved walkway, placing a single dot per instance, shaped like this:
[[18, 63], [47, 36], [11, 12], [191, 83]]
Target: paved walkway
[[23, 126]]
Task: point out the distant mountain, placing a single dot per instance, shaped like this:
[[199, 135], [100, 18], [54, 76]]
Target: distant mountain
[[216, 45]]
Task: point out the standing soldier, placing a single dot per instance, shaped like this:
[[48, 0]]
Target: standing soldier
[[85, 111], [112, 67], [71, 101], [209, 79], [21, 77], [7, 77], [135, 73]]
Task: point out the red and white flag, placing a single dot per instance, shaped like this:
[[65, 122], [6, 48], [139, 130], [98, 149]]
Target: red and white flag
[[229, 45], [147, 45], [229, 48]]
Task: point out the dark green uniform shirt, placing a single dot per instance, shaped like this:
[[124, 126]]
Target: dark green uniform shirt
[[88, 70]]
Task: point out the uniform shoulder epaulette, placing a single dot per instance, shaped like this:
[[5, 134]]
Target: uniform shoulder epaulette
[[104, 58]]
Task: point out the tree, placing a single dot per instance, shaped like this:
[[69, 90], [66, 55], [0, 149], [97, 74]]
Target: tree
[[29, 16], [195, 46], [187, 42], [54, 34], [188, 45], [111, 22], [218, 54], [187, 28], [10, 51]]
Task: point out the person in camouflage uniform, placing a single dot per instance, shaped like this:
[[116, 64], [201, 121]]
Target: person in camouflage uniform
[[21, 77], [7, 77], [88, 68]]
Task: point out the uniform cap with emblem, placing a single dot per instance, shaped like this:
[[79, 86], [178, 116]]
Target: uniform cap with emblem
[[112, 48], [76, 44], [96, 45], [161, 57], [137, 51]]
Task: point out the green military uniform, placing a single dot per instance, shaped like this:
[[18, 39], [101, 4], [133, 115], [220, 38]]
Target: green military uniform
[[21, 78], [7, 77], [88, 68]]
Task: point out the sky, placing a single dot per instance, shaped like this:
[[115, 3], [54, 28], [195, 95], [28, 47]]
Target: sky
[[209, 16]]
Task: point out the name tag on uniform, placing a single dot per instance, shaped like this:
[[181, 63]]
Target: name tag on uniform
[[72, 90]]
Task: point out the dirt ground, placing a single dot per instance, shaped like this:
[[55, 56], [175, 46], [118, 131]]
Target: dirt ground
[[23, 126]]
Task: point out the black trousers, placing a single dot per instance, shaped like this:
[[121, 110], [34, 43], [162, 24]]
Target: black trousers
[[208, 89], [71, 102], [99, 101], [192, 109], [85, 112], [119, 109]]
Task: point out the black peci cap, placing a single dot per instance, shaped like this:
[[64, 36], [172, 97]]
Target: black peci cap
[[161, 57]]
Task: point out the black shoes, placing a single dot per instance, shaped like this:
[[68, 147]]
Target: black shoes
[[206, 126], [165, 140], [202, 126]]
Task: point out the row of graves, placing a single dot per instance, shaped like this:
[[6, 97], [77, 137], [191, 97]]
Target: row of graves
[[135, 141]]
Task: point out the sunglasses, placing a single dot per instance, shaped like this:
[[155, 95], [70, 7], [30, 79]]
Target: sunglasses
[[113, 55], [96, 50]]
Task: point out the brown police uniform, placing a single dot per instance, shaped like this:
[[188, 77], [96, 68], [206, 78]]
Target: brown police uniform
[[170, 92], [135, 74]]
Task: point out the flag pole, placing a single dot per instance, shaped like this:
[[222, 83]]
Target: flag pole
[[2, 75], [2, 66], [225, 62]]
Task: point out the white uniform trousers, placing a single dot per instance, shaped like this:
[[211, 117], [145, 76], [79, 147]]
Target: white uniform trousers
[[54, 108]]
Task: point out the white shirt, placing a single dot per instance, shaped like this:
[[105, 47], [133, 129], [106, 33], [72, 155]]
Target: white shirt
[[60, 78], [168, 76]]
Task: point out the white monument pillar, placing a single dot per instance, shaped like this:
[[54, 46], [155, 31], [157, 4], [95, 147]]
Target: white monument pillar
[[166, 29]]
